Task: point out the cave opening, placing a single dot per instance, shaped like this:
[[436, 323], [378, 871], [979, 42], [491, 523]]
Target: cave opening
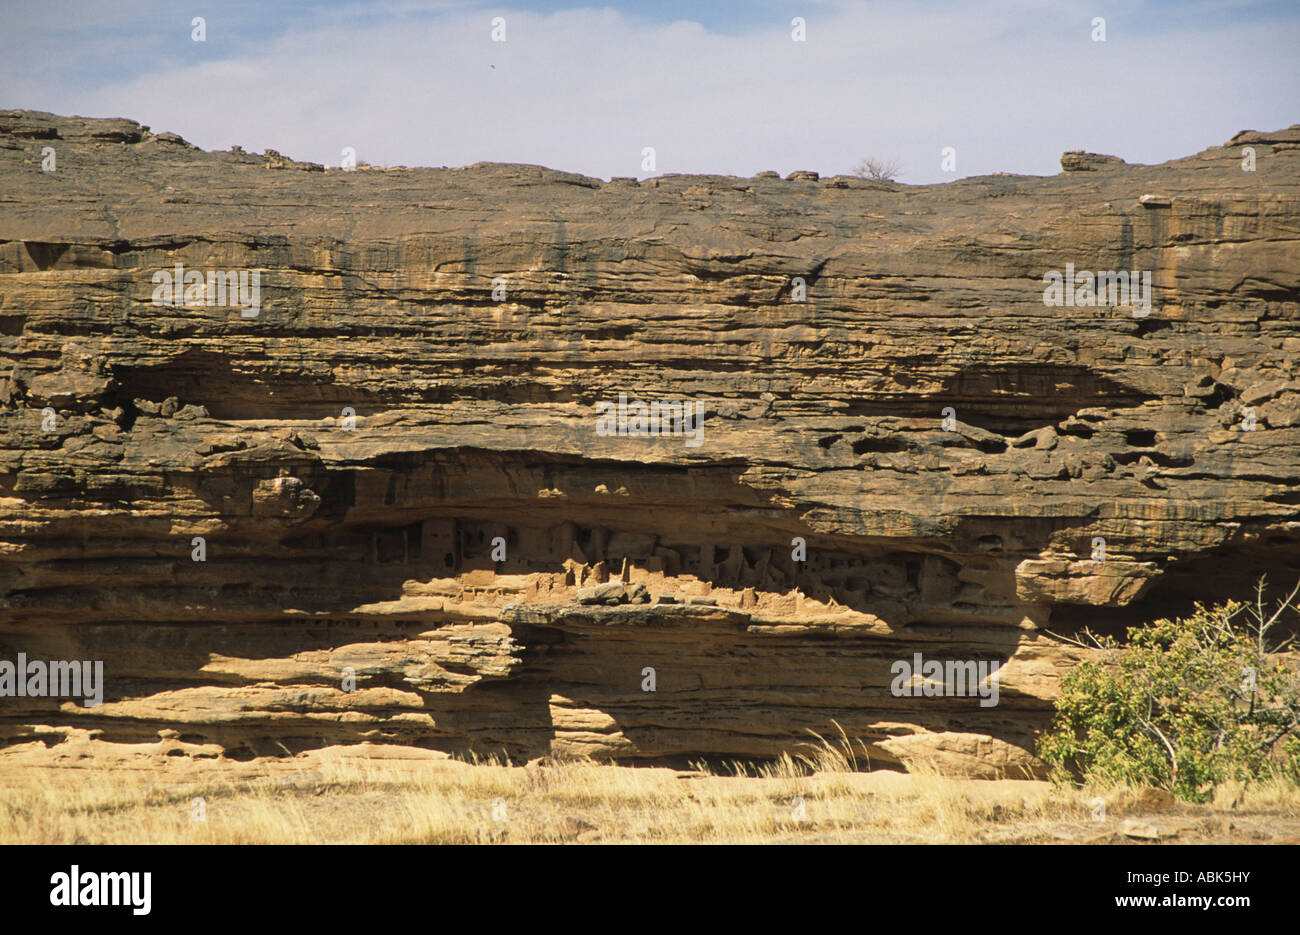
[[1207, 579]]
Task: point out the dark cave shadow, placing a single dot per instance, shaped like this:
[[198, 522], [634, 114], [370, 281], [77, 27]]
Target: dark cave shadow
[[759, 695]]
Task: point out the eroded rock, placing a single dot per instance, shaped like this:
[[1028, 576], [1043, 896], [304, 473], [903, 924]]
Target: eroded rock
[[413, 533]]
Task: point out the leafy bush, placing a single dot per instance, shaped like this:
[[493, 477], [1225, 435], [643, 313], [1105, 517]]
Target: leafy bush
[[1184, 705]]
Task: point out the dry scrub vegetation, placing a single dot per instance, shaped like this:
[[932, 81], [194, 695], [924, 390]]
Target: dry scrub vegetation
[[380, 795]]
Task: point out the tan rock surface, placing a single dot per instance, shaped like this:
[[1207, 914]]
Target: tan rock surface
[[368, 547]]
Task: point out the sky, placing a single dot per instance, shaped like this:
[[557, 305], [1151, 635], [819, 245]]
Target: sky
[[720, 88]]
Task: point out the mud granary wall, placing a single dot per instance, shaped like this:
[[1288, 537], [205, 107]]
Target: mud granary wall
[[412, 530]]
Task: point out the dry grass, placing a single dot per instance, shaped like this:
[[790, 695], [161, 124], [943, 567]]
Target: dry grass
[[357, 795]]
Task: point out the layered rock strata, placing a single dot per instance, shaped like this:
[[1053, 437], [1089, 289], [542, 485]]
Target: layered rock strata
[[409, 516]]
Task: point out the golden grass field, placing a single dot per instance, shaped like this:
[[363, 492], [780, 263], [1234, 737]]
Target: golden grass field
[[387, 795]]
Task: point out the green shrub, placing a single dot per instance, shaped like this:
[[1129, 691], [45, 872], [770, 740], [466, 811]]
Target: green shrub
[[1183, 705]]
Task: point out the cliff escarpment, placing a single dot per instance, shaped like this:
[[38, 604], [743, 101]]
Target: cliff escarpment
[[368, 494]]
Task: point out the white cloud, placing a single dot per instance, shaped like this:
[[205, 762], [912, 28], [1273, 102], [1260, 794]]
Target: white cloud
[[1010, 85]]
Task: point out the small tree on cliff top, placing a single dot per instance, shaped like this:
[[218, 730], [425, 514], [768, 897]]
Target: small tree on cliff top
[[1184, 705], [878, 170]]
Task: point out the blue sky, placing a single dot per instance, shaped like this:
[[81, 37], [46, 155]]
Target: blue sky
[[712, 87]]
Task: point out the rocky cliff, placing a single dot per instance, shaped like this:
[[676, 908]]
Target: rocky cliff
[[378, 500]]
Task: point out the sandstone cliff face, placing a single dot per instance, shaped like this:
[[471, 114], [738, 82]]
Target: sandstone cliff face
[[950, 448]]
